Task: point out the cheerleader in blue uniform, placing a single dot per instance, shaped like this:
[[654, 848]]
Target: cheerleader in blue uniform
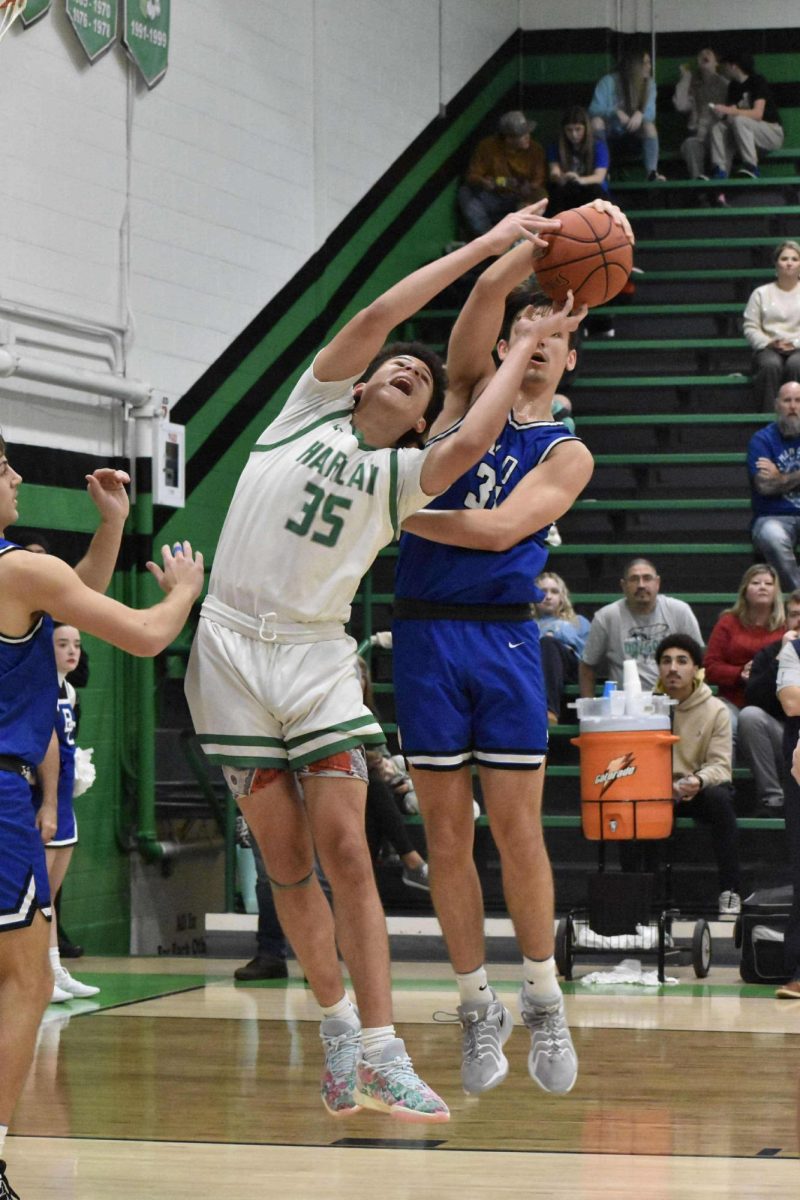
[[58, 851]]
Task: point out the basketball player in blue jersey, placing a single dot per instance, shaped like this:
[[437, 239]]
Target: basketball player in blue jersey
[[31, 587], [468, 678]]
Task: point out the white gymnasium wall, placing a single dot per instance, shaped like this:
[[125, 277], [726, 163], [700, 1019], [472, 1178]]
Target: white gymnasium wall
[[274, 118], [640, 16]]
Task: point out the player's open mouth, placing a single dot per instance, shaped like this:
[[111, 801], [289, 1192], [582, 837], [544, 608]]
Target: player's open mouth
[[403, 384], [538, 358]]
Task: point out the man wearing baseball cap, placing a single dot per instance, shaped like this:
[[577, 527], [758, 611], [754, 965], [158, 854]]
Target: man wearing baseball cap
[[507, 171]]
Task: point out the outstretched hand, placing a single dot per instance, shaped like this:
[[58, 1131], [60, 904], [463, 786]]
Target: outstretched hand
[[47, 821], [181, 566], [616, 214], [106, 487], [541, 325], [527, 223]]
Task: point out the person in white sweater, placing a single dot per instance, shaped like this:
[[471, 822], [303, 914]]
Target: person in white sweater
[[772, 327]]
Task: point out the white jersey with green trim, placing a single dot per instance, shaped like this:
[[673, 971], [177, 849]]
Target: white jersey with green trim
[[311, 510]]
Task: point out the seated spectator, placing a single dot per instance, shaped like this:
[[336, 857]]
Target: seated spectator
[[789, 696], [755, 620], [388, 787], [578, 164], [632, 628], [561, 410], [773, 464], [698, 89], [772, 326], [562, 634], [751, 121], [271, 945], [507, 171], [702, 759], [624, 106], [762, 719]]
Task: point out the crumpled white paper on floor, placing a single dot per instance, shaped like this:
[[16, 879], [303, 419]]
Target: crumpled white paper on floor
[[628, 971]]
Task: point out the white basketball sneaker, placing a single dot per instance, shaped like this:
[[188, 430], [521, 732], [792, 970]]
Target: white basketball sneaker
[[73, 987]]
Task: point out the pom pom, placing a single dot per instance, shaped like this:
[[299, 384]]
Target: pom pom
[[85, 772]]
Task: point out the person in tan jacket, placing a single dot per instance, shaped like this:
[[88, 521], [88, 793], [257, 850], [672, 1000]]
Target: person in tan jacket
[[507, 170], [702, 759]]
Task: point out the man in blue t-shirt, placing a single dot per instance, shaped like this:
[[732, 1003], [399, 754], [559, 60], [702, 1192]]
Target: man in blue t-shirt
[[773, 464]]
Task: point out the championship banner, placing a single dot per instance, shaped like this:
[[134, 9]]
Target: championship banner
[[33, 10], [145, 35], [96, 24]]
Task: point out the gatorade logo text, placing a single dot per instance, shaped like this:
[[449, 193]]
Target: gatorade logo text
[[618, 768]]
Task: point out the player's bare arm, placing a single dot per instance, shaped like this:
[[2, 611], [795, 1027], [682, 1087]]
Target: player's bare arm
[[353, 347], [47, 773], [543, 496], [107, 489], [34, 583], [470, 364], [449, 458]]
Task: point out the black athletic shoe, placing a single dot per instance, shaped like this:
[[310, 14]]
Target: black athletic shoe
[[68, 949], [263, 966], [6, 1190]]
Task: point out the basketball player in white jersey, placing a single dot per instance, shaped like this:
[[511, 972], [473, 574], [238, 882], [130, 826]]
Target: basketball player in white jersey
[[272, 681]]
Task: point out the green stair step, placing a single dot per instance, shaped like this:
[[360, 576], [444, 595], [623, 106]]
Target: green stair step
[[766, 273], [648, 547], [670, 419], [674, 460], [713, 505], [702, 244], [694, 185], [591, 344], [573, 820], [681, 310], [653, 381], [724, 214]]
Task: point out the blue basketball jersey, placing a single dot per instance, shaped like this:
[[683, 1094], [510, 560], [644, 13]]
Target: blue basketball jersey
[[28, 687], [455, 575], [66, 833]]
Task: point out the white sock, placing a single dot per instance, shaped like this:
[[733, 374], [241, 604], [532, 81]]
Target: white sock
[[55, 959], [343, 1011], [374, 1040], [539, 979], [473, 987], [3, 1132]]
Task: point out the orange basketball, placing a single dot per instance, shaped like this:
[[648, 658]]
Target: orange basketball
[[590, 254]]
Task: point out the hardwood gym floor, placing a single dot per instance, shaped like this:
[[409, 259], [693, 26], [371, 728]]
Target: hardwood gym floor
[[182, 1084]]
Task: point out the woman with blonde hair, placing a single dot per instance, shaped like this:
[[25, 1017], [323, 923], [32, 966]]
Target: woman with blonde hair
[[562, 634], [754, 620], [772, 326], [624, 105]]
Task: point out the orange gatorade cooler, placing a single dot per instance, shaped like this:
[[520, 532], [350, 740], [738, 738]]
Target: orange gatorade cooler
[[626, 769]]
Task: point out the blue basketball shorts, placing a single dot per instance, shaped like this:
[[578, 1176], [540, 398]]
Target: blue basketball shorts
[[470, 691], [23, 872]]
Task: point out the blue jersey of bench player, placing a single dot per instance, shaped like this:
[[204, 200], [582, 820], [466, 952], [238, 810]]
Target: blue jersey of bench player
[[28, 697], [468, 676]]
